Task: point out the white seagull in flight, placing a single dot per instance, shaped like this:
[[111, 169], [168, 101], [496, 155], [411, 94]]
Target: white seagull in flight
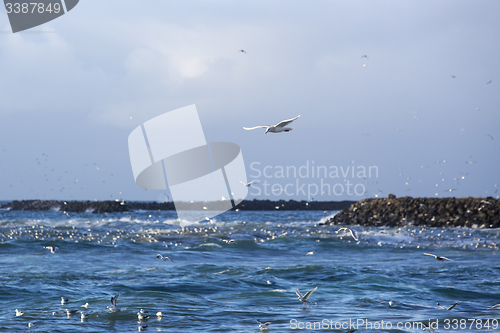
[[250, 183], [303, 298], [113, 307], [159, 256], [280, 127]]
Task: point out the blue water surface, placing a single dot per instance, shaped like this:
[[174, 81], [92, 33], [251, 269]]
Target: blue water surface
[[241, 267]]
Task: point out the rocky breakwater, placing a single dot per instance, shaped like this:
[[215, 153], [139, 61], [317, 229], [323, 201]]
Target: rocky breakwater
[[430, 212], [69, 206], [122, 206]]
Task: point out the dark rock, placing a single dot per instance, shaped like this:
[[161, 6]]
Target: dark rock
[[432, 212], [122, 206]]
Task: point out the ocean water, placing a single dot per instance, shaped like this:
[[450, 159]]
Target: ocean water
[[241, 267]]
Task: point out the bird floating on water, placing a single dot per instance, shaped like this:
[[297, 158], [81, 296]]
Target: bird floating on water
[[19, 313], [437, 257], [141, 315], [303, 298], [64, 300], [278, 128]]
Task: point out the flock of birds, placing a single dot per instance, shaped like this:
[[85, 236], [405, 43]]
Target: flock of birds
[[141, 315]]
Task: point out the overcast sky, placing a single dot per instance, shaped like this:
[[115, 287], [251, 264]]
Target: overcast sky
[[418, 109]]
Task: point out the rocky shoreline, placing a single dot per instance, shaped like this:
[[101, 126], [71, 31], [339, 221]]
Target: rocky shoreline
[[384, 212], [124, 206], [431, 212]]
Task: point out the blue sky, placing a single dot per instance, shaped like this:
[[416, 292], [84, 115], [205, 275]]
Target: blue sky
[[69, 97]]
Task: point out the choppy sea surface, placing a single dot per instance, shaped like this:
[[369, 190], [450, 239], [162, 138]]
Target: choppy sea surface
[[241, 267]]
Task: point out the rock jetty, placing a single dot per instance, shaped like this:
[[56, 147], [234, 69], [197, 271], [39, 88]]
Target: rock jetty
[[431, 212], [123, 206]]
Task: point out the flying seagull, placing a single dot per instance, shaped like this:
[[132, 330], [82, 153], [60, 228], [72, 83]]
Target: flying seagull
[[113, 307], [353, 233], [364, 56], [437, 257], [242, 51], [250, 183], [276, 128], [495, 307], [488, 82], [159, 256], [303, 298], [52, 249], [449, 308], [264, 326]]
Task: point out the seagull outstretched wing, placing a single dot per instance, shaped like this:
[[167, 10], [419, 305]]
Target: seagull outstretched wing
[[251, 128], [308, 293], [286, 122]]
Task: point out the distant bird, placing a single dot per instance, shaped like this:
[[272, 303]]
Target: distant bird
[[250, 183], [353, 233], [229, 241], [451, 190], [19, 313], [113, 307], [31, 324], [159, 314], [303, 298], [84, 315], [52, 249], [490, 137], [449, 308], [159, 256], [64, 300], [264, 326], [391, 303], [86, 305], [437, 257], [427, 328], [70, 312], [488, 82], [142, 327], [141, 315], [453, 76], [280, 127], [364, 56], [310, 253], [493, 307], [242, 51]]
